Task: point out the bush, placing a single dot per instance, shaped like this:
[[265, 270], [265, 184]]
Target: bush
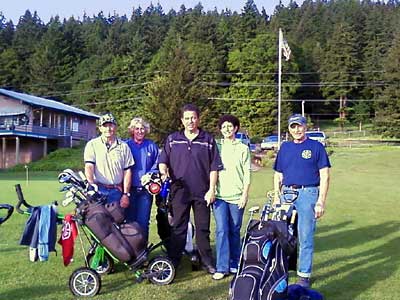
[[58, 160], [268, 159]]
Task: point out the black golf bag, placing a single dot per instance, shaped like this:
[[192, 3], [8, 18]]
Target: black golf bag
[[125, 241], [164, 224], [264, 262]]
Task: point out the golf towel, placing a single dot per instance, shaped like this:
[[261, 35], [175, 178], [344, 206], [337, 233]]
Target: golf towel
[[69, 232]]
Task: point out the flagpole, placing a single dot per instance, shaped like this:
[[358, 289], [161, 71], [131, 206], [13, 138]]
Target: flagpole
[[279, 85]]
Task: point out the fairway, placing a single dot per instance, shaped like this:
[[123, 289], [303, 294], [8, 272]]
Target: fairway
[[357, 241]]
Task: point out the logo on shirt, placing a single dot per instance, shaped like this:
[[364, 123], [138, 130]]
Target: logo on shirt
[[66, 231], [306, 154]]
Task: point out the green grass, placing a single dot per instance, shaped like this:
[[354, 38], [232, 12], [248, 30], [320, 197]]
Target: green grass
[[58, 160], [357, 241]]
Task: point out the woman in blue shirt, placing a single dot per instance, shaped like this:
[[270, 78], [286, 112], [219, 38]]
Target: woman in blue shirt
[[145, 153]]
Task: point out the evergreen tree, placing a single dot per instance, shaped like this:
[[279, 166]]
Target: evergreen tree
[[387, 119], [29, 31], [116, 42], [95, 32], [6, 33], [10, 69], [52, 63], [180, 81], [255, 78], [340, 67]]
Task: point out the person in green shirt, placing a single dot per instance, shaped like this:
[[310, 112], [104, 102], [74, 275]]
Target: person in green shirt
[[231, 196]]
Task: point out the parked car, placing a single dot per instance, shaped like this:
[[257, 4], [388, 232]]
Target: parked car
[[244, 138], [318, 136], [270, 143]]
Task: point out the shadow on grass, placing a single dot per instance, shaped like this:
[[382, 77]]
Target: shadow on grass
[[10, 249], [329, 228], [363, 269], [353, 237], [214, 290], [32, 292]]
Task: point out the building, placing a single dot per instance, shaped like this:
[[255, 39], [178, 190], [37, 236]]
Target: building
[[31, 127]]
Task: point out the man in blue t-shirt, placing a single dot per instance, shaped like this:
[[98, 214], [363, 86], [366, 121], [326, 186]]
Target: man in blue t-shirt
[[303, 165]]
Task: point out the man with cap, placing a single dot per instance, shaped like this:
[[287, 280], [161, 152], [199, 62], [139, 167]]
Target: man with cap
[[108, 162], [302, 165]]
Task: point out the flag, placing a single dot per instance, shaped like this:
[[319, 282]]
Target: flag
[[286, 49]]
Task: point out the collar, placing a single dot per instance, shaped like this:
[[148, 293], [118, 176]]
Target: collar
[[199, 136], [116, 142]]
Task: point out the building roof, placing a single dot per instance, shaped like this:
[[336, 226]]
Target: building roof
[[42, 102]]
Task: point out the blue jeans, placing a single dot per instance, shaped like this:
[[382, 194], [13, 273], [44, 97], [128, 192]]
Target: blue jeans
[[139, 209], [228, 218], [113, 194], [306, 226]]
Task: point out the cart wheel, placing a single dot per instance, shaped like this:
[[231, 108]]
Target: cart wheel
[[105, 267], [164, 271], [84, 282]]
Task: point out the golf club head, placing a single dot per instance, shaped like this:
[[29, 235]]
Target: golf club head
[[254, 209], [64, 177], [69, 197], [65, 188]]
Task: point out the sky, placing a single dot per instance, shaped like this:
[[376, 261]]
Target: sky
[[14, 9]]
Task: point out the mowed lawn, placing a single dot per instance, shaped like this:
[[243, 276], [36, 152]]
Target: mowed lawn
[[357, 241]]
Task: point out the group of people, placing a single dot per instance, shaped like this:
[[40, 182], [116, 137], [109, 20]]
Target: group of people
[[207, 174]]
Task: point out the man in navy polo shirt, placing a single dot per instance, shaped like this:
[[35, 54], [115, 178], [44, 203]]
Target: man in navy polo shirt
[[303, 165], [190, 158]]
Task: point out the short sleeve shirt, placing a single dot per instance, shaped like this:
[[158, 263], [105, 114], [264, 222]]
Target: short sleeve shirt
[[110, 162], [191, 162], [146, 158], [300, 162]]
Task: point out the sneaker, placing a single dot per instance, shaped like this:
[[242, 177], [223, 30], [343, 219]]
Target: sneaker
[[218, 276], [304, 282], [233, 270]]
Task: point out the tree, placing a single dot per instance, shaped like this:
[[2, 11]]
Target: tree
[[6, 33], [340, 66], [53, 61], [180, 81], [10, 69], [29, 31], [255, 69], [387, 118]]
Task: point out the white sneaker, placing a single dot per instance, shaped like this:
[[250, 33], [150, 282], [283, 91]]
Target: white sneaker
[[218, 276], [233, 270]]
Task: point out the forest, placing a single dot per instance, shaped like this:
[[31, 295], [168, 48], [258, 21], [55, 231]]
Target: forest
[[344, 63]]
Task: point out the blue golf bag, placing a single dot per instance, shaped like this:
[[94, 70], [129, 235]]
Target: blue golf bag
[[264, 262]]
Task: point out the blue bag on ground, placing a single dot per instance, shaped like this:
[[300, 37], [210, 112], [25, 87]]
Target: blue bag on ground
[[297, 292], [263, 267]]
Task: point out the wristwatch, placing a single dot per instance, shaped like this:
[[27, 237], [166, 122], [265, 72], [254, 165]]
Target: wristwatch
[[128, 194]]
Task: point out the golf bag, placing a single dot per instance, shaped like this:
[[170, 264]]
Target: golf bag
[[126, 241], [264, 262], [164, 224]]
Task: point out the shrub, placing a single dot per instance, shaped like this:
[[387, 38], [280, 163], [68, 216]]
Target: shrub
[[268, 159], [58, 160]]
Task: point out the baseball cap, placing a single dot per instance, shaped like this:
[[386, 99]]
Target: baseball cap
[[107, 118], [297, 119]]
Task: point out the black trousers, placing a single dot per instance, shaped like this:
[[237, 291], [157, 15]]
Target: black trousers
[[181, 203]]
